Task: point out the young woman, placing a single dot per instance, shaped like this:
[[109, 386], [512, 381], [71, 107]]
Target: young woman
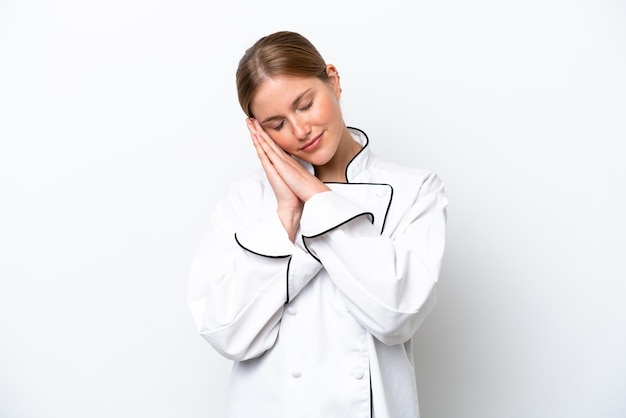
[[316, 271]]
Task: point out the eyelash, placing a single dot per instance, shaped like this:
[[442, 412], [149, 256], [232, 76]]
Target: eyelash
[[302, 109], [307, 107]]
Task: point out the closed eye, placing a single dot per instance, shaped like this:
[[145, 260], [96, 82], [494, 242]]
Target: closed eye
[[300, 109], [307, 107]]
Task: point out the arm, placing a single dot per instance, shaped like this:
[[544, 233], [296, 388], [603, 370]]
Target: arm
[[291, 183], [247, 266], [388, 281], [241, 276]]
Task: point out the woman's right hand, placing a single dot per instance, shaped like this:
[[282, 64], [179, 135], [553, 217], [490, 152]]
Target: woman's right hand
[[289, 205]]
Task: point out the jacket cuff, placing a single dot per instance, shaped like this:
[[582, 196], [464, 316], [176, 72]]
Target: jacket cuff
[[267, 238], [328, 210], [302, 268]]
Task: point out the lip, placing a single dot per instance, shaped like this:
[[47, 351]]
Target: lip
[[312, 144]]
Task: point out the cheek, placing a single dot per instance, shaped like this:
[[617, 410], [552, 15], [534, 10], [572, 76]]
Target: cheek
[[332, 109], [281, 140], [327, 110]]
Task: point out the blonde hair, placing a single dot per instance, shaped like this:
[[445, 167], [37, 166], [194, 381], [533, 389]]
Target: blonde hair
[[281, 53]]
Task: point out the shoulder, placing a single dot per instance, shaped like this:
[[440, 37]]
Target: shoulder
[[254, 182], [379, 170], [246, 196], [403, 176], [417, 193]]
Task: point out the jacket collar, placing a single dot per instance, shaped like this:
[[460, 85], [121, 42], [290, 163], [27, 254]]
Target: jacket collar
[[358, 163]]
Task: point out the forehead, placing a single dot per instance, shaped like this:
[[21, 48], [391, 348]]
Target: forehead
[[280, 92]]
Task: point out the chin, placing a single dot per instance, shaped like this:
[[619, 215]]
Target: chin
[[316, 160]]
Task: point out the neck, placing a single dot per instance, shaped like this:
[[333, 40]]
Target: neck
[[334, 171]]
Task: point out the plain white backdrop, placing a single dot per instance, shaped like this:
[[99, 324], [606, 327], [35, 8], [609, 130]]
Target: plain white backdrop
[[119, 129]]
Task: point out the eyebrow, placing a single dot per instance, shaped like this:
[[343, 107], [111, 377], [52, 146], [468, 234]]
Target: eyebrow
[[293, 104]]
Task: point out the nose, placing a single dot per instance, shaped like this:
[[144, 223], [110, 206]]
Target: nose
[[301, 127]]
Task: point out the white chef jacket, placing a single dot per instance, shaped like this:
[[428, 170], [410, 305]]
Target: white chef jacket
[[322, 327]]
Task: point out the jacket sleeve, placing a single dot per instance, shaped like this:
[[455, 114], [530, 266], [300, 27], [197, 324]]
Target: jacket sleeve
[[243, 272], [388, 281]]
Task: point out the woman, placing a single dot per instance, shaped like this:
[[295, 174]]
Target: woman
[[316, 272]]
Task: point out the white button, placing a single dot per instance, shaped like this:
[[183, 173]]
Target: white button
[[357, 373], [292, 311], [296, 373]]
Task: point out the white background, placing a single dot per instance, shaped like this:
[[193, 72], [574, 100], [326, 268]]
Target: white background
[[119, 128]]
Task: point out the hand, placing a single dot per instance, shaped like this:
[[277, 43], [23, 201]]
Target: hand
[[292, 184], [302, 183], [284, 195]]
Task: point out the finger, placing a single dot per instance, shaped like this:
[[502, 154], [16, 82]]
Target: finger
[[273, 153], [267, 164], [283, 163], [271, 146], [259, 141], [260, 151], [281, 189], [248, 123]]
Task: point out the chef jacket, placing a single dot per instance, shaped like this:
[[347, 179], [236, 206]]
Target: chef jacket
[[322, 327]]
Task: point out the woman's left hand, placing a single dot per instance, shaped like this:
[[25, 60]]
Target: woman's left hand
[[302, 183]]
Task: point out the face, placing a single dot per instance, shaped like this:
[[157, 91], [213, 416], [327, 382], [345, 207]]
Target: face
[[302, 115]]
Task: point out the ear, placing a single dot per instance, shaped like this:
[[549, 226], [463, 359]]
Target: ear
[[333, 78]]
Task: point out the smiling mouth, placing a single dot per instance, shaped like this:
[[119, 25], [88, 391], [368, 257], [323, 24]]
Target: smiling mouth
[[312, 144]]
